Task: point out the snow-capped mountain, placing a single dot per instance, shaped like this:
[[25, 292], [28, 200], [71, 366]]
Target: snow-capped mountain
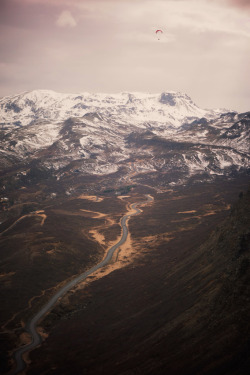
[[100, 134], [169, 108]]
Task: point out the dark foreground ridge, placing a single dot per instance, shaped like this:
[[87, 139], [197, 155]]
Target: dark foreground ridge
[[167, 316]]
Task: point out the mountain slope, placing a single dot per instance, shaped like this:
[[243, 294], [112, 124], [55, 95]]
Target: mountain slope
[[169, 108], [165, 139]]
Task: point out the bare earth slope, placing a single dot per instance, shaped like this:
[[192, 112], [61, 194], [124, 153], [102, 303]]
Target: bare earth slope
[[182, 309]]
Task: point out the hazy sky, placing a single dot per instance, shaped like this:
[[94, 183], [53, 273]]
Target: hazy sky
[[111, 46]]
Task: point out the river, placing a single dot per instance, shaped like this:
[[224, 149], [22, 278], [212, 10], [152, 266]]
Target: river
[[32, 324]]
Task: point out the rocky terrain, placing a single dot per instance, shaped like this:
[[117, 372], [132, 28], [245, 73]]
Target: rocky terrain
[[174, 299], [47, 135]]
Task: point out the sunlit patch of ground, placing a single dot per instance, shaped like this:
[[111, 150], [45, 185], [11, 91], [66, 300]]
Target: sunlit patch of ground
[[97, 236], [42, 215], [209, 210], [92, 198], [54, 250], [96, 215], [3, 275], [42, 333], [36, 213], [25, 338]]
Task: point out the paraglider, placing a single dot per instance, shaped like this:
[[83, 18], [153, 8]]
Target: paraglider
[[158, 33]]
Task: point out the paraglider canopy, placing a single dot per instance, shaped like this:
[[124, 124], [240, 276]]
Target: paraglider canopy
[[158, 33]]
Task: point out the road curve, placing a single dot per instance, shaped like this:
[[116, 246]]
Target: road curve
[[31, 325]]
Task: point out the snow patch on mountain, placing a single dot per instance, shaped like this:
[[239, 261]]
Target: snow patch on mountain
[[99, 134], [170, 108]]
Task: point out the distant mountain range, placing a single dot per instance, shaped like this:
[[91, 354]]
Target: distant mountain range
[[102, 133], [168, 108]]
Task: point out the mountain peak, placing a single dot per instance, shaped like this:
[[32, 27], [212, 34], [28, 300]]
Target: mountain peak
[[167, 109]]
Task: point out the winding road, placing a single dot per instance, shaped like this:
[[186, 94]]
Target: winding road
[[32, 324]]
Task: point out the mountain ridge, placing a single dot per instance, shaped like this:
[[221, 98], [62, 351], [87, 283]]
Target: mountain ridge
[[101, 134], [168, 107]]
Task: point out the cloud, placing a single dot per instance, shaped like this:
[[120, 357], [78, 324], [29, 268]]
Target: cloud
[[66, 19], [240, 3]]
